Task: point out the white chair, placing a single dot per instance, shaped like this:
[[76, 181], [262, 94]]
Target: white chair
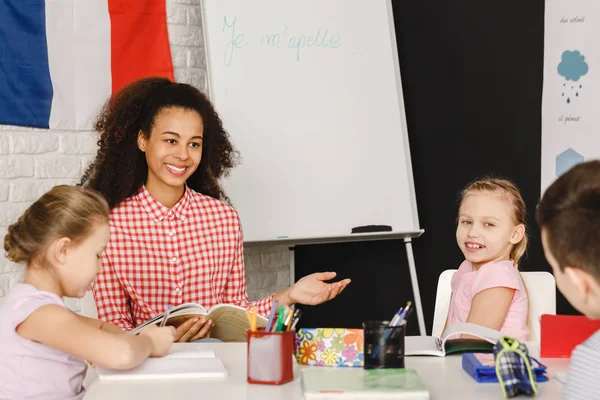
[[88, 305], [541, 291], [442, 302]]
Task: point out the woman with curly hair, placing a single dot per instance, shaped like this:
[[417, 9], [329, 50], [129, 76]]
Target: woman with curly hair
[[174, 237]]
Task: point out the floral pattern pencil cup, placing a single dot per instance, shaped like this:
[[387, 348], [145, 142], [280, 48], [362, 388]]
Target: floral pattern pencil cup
[[270, 357], [384, 344]]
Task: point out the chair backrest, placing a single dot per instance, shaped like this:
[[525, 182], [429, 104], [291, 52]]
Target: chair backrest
[[541, 291], [88, 305], [442, 302]]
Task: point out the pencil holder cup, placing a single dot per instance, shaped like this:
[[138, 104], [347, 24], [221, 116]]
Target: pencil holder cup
[[384, 344], [270, 357]]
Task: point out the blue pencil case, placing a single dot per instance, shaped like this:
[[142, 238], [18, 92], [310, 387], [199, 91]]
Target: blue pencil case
[[482, 368]]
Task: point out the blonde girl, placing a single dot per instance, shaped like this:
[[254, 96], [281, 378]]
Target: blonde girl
[[60, 239], [487, 289]]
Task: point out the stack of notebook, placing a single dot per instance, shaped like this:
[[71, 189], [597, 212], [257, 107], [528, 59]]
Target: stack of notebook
[[180, 363]]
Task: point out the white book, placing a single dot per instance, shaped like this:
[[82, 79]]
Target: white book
[[433, 346], [180, 363]]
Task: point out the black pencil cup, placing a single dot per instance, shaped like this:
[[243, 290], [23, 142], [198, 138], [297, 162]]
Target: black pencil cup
[[384, 345]]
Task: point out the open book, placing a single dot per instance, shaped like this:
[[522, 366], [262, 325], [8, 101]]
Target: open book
[[230, 322], [432, 346]]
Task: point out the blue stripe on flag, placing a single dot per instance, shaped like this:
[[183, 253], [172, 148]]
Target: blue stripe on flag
[[25, 85]]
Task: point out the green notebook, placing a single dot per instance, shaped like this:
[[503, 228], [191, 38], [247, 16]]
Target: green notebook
[[357, 383]]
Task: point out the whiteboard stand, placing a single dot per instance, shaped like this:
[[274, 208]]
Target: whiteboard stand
[[415, 285]]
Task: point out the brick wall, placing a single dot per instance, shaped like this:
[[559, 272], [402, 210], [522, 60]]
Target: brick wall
[[32, 161]]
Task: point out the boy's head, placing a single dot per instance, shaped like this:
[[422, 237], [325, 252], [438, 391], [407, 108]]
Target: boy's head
[[569, 217]]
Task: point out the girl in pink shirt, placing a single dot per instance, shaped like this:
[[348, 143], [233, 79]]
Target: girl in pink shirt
[[43, 344], [487, 289]]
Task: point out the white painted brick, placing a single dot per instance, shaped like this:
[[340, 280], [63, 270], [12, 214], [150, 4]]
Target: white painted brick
[[184, 36], [13, 128], [58, 167], [32, 143], [85, 162], [180, 56], [181, 74], [186, 1], [4, 189], [176, 14], [198, 78], [4, 143], [275, 260], [25, 191], [10, 212], [30, 191], [267, 270], [79, 143], [194, 76], [194, 16], [254, 295], [7, 266], [196, 59], [252, 261], [16, 167], [261, 280]]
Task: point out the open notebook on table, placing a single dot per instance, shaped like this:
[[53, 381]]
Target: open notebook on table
[[178, 364], [432, 346]]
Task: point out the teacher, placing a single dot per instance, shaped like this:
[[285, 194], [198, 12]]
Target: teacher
[[174, 237]]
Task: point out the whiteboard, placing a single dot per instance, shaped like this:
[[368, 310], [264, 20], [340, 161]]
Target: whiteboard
[[311, 96]]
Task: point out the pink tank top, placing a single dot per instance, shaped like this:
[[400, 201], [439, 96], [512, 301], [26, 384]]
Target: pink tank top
[[29, 369], [466, 283]]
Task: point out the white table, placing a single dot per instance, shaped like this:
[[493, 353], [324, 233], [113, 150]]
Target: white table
[[443, 377]]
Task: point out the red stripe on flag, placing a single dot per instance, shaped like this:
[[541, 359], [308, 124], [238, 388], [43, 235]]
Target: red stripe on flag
[[139, 41]]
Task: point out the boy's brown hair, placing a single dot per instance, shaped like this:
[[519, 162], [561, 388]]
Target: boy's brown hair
[[569, 213]]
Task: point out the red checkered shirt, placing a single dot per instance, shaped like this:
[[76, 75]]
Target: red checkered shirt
[[157, 256]]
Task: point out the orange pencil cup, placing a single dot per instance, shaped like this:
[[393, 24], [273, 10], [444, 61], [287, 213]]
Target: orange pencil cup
[[270, 357]]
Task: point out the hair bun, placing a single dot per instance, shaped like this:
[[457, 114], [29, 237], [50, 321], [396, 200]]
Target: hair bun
[[12, 244]]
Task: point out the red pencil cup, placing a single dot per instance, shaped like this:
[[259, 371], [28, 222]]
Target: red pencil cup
[[270, 357]]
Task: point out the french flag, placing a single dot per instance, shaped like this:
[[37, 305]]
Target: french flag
[[61, 59]]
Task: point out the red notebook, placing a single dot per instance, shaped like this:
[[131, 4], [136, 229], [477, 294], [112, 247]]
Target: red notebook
[[561, 333]]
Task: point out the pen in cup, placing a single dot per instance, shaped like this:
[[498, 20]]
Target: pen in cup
[[166, 316], [287, 323], [297, 315], [272, 316], [396, 321]]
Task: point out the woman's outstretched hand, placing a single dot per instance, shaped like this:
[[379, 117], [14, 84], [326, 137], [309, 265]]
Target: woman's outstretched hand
[[312, 289]]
